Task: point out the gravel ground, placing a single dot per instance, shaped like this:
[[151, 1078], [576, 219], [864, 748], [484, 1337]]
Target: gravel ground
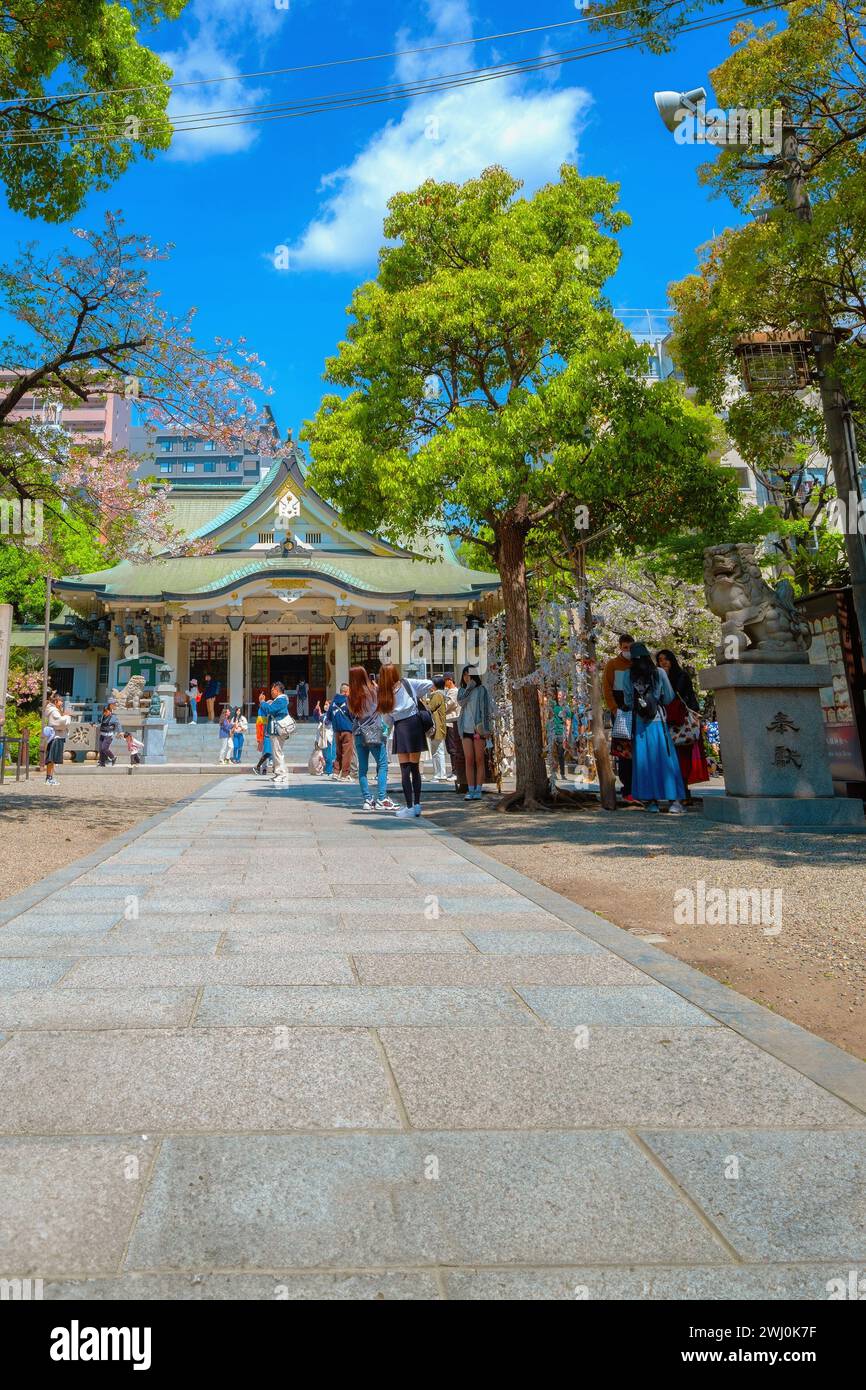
[[628, 866], [44, 828]]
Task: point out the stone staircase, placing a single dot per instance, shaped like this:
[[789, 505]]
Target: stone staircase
[[197, 745]]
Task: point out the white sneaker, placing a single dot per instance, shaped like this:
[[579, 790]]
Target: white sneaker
[[406, 813], [369, 805], [676, 808], [386, 805], [416, 809]]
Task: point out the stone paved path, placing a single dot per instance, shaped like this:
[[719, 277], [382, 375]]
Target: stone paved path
[[273, 1047]]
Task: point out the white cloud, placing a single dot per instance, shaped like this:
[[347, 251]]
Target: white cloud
[[447, 135], [205, 54]]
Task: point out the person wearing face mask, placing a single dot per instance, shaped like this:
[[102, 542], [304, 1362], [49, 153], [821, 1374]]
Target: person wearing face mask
[[647, 692]]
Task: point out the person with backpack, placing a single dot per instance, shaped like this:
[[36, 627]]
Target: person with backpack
[[302, 700], [399, 701], [656, 774], [476, 725], [371, 738], [342, 723]]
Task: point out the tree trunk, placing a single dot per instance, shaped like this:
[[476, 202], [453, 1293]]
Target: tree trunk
[[601, 752], [532, 780]]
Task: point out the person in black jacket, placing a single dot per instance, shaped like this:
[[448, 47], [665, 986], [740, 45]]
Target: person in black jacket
[[109, 725], [679, 679]]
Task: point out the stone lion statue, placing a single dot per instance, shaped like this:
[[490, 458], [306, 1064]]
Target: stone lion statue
[[130, 696], [758, 623]]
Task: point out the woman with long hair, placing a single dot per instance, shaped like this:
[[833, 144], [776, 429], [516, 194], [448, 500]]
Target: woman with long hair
[[646, 694], [682, 720], [239, 728], [371, 737], [398, 701], [475, 724]]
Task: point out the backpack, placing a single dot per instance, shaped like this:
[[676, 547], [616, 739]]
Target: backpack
[[371, 730], [645, 700], [427, 721]]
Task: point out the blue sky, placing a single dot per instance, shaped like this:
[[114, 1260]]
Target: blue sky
[[230, 198]]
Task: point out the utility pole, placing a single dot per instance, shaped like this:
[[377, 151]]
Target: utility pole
[[838, 422], [46, 637]]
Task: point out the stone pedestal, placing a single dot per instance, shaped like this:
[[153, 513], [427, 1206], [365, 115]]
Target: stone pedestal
[[773, 748], [153, 737], [166, 692]]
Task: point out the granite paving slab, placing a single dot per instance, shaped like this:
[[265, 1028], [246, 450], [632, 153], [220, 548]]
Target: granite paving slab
[[193, 1080], [465, 1078], [68, 1204], [366, 1006], [361, 1200]]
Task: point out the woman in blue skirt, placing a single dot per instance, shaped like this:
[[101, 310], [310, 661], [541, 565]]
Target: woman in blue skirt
[[656, 772]]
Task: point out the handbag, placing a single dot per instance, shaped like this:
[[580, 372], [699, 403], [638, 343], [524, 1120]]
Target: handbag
[[285, 727], [621, 725], [427, 721], [687, 732]]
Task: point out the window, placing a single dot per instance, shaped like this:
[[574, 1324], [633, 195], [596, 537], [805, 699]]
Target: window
[[209, 466], [266, 538], [166, 445], [188, 446], [318, 670], [189, 466], [209, 446], [102, 671], [365, 651], [166, 468], [60, 679], [313, 538], [232, 465]]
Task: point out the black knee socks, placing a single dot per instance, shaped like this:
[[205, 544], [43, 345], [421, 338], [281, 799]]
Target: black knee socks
[[416, 782], [408, 782]]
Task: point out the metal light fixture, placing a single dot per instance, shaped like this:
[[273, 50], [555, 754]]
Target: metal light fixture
[[342, 622], [236, 622]]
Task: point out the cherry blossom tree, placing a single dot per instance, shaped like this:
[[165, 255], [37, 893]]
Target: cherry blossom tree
[[92, 326]]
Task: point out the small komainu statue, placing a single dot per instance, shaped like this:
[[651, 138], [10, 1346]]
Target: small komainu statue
[[130, 696], [758, 623]]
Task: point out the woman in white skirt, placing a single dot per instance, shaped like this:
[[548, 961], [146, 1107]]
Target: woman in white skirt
[[398, 704]]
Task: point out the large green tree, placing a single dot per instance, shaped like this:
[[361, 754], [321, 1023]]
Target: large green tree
[[798, 266], [489, 389], [81, 98]]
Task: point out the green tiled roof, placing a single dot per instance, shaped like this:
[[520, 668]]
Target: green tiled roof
[[361, 573], [239, 505], [190, 514]]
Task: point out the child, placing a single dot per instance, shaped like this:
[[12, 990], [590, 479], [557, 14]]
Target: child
[[239, 729], [134, 747], [225, 735]]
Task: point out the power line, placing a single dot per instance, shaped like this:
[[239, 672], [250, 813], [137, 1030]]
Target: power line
[[372, 96], [330, 63]]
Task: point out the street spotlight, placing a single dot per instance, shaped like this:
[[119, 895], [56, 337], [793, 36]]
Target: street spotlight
[[673, 107]]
